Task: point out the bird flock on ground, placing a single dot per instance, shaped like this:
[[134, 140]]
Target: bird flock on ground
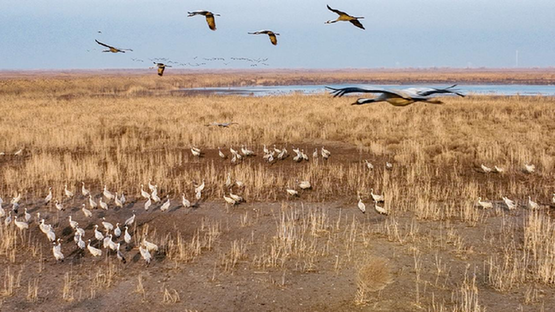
[[107, 237]]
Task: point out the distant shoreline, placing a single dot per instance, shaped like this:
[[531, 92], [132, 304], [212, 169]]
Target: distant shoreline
[[191, 78]]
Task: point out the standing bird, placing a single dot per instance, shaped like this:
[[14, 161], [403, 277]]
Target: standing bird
[[186, 203], [161, 68], [166, 205], [57, 251], [209, 17], [130, 220], [48, 197], [86, 211], [119, 254], [68, 193], [345, 18], [84, 191], [271, 34], [94, 251], [361, 205], [112, 49]]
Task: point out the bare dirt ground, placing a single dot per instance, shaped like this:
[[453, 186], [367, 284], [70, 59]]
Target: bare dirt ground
[[436, 250]]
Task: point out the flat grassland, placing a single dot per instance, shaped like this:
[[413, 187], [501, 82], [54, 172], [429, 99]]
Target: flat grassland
[[435, 251]]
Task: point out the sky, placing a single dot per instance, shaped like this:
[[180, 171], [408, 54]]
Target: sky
[[60, 34]]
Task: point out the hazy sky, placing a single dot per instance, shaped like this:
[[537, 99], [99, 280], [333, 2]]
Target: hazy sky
[[59, 34]]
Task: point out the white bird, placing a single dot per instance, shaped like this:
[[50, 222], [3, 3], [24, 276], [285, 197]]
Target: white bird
[[22, 225], [236, 197], [147, 204], [484, 204], [119, 254], [59, 205], [196, 152], [325, 153], [305, 185], [72, 223], [380, 210], [315, 153], [126, 236], [95, 252], [92, 203], [498, 169], [368, 164], [200, 188], [361, 205], [16, 199], [553, 199], [97, 234], [80, 231], [144, 194], [106, 241], [510, 204], [397, 97], [19, 152], [51, 235], [388, 165], [84, 191], [376, 197], [111, 244], [247, 152], [2, 212], [57, 251], [166, 205], [80, 242], [102, 204], [117, 230], [130, 220], [265, 149], [485, 169], [229, 200], [532, 205], [145, 254], [529, 168], [154, 195], [107, 225], [117, 201], [44, 227], [150, 246], [48, 197], [239, 183], [292, 192], [122, 198], [221, 154], [151, 186], [27, 215], [198, 195], [86, 211], [185, 202], [68, 193], [109, 196]]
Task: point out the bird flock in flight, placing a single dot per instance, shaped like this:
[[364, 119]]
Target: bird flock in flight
[[211, 21]]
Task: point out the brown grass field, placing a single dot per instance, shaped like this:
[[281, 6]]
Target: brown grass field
[[437, 250]]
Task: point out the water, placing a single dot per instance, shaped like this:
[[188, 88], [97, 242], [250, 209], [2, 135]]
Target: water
[[526, 90]]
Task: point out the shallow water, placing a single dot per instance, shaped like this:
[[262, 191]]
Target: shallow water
[[525, 90]]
